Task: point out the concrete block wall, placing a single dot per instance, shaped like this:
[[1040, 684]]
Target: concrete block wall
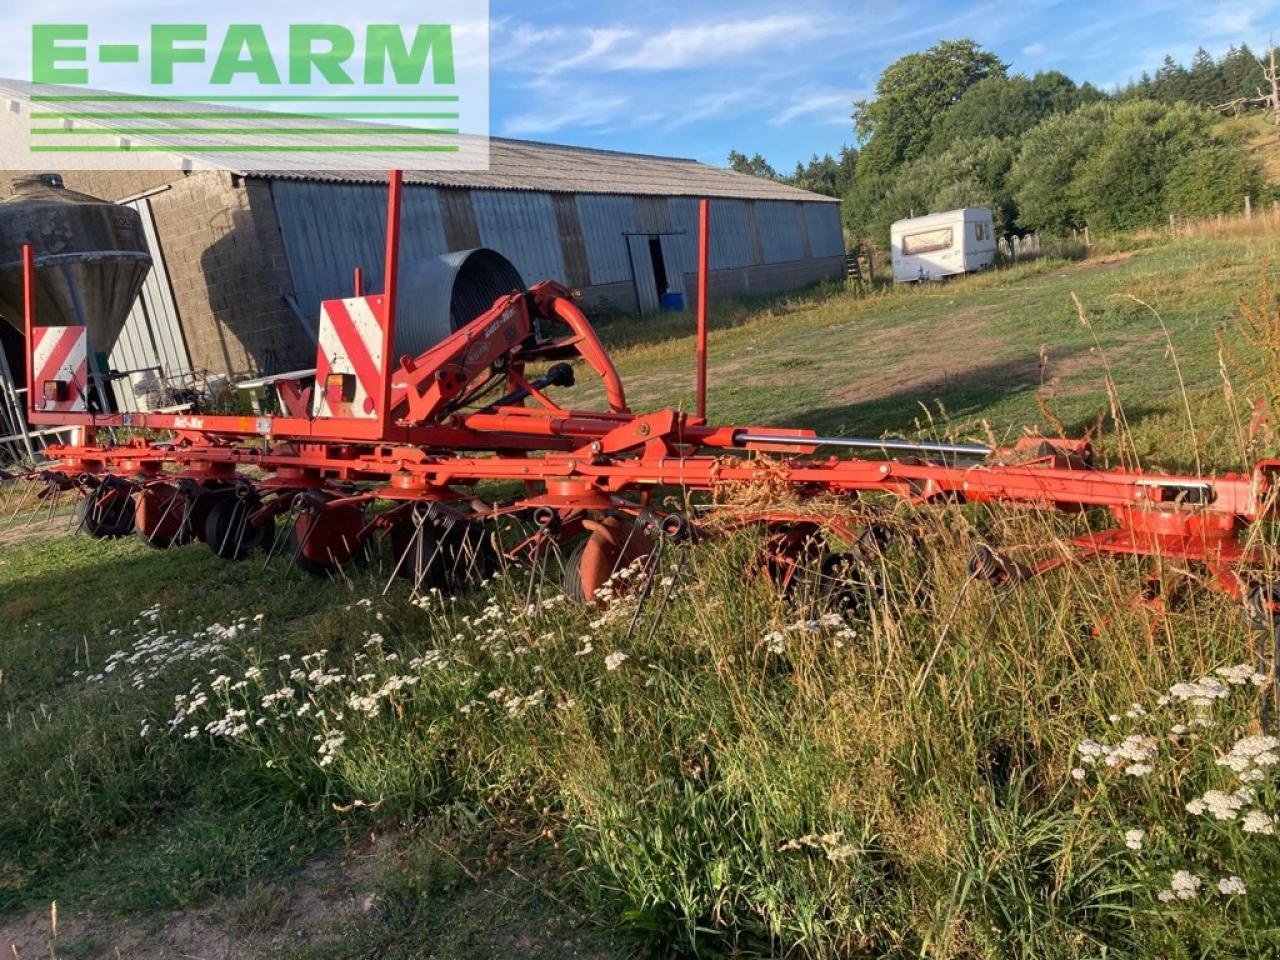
[[230, 277]]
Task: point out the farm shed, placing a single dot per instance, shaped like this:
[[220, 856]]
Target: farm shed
[[246, 259]]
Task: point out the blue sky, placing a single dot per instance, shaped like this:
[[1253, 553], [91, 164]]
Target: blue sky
[[697, 79]]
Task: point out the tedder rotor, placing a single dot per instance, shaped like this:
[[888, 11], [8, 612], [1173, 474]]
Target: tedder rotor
[[433, 451]]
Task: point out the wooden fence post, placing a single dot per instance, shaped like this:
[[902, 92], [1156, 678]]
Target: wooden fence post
[[1248, 208]]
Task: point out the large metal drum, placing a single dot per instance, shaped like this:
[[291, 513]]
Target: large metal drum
[[444, 294], [91, 257]]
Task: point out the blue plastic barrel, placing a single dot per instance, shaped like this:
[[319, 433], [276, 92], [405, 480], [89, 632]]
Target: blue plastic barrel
[[672, 301]]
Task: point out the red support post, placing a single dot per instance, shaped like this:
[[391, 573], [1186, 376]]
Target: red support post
[[704, 258], [29, 316], [390, 275]]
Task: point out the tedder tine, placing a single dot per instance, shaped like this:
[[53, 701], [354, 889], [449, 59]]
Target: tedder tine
[[681, 533], [340, 566], [667, 592], [645, 575], [302, 544], [538, 569], [22, 502], [164, 515], [282, 532], [395, 571]]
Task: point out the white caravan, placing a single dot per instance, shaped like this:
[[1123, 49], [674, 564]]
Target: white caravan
[[942, 244]]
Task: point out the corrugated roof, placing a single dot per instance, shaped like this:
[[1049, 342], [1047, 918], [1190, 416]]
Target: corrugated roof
[[524, 165], [512, 164]]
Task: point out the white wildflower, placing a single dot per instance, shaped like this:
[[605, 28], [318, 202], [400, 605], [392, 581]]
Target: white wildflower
[[1201, 693], [614, 660], [1237, 675], [1223, 806], [1257, 821], [1231, 886], [1133, 839], [1185, 885], [329, 747]]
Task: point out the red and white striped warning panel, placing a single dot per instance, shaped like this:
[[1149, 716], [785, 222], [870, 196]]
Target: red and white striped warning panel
[[60, 365], [349, 359]]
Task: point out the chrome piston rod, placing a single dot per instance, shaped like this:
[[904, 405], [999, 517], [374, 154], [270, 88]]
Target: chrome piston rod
[[865, 443]]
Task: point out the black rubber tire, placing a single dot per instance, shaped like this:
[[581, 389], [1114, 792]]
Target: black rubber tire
[[109, 521], [447, 558], [573, 574], [227, 532], [844, 584]]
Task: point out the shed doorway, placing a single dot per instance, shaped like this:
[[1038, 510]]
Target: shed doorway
[[654, 268]]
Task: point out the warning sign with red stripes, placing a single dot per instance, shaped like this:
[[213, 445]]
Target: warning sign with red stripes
[[349, 359], [60, 369]]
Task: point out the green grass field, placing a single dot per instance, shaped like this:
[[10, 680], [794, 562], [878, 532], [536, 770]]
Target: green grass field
[[208, 759]]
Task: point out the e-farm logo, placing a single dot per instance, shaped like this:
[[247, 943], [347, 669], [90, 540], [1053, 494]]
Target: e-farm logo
[[256, 96], [320, 50]]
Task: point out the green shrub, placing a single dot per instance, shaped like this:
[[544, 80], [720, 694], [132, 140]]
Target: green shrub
[[1213, 178]]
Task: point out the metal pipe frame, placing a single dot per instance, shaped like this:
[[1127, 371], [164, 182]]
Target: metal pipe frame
[[421, 447]]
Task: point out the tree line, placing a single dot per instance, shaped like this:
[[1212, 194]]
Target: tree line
[[951, 127], [1208, 82]]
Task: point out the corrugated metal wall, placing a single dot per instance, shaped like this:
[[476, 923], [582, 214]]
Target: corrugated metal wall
[[329, 227], [521, 227], [151, 340], [606, 221], [780, 237], [825, 235], [730, 239]]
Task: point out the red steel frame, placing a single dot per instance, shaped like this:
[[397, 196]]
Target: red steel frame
[[423, 447]]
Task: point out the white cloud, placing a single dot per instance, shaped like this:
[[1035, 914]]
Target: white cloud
[[1237, 20], [709, 106], [829, 106], [570, 110], [1034, 50], [542, 52], [698, 45]]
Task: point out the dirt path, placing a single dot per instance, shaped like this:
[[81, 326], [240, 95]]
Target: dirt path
[[335, 907], [260, 924]]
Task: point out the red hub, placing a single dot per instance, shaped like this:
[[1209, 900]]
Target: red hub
[[614, 544], [161, 514], [326, 539]]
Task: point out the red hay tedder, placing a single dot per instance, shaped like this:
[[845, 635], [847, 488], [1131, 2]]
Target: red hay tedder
[[410, 447]]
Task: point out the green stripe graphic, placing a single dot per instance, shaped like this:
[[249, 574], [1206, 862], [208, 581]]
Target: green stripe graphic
[[118, 53], [230, 115], [242, 98], [246, 148], [241, 131]]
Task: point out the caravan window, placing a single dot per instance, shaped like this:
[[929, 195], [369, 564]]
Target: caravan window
[[979, 231], [926, 242]]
